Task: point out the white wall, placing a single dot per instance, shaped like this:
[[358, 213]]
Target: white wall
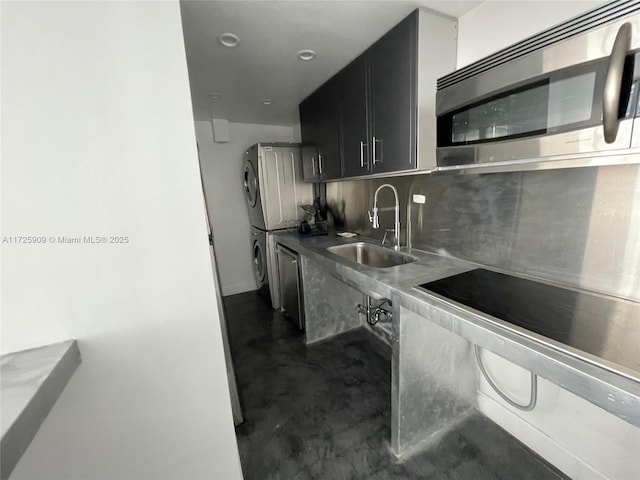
[[98, 139], [582, 440], [222, 166], [496, 24]]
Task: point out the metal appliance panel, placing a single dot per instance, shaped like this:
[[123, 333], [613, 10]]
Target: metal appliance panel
[[273, 185], [290, 291], [607, 328], [282, 189]]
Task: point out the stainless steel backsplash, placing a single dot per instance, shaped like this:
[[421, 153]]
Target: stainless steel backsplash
[[579, 227], [349, 201]]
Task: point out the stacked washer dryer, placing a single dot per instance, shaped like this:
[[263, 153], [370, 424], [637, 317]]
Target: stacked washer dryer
[[275, 190]]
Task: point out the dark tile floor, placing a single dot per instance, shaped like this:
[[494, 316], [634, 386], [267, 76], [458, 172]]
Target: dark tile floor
[[323, 411]]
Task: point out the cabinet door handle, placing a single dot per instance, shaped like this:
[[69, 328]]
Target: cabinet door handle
[[375, 141], [313, 166], [362, 145], [319, 164]]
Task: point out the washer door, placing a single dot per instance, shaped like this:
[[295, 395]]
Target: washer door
[[250, 181], [259, 262]]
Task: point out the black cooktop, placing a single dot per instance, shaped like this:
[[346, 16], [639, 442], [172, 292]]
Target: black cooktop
[[602, 326]]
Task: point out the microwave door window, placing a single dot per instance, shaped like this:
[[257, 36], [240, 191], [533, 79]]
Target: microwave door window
[[571, 101], [528, 111], [514, 114], [562, 101]]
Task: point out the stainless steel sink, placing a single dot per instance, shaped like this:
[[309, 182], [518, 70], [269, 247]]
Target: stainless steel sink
[[371, 255]]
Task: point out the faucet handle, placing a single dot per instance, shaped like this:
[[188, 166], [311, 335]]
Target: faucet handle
[[386, 231], [373, 217]]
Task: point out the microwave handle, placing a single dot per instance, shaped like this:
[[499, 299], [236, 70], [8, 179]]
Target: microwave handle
[[613, 83]]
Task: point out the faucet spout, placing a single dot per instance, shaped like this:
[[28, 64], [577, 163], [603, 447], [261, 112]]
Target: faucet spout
[[373, 215]]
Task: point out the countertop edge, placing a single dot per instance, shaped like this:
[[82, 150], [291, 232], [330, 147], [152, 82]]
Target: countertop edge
[[24, 427]]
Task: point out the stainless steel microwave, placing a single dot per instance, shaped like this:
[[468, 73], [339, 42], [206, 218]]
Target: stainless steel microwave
[[568, 96]]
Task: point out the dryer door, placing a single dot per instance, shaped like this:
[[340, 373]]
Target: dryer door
[[250, 181], [259, 262], [251, 185]]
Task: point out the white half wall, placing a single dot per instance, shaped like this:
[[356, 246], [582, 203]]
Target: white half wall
[[222, 166], [496, 24], [98, 140]]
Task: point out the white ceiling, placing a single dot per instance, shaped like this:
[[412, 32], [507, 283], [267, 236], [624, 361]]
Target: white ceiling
[[265, 65]]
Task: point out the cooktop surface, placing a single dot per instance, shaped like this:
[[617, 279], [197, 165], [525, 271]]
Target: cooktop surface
[[602, 326]]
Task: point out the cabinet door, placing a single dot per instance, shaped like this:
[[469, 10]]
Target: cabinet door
[[320, 126], [355, 148], [393, 94], [329, 158], [310, 163], [309, 125]]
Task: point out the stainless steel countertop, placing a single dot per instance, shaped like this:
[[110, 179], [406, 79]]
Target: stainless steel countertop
[[605, 327], [586, 375], [375, 282]]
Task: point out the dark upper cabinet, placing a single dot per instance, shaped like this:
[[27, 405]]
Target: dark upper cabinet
[[377, 116], [393, 79], [320, 128], [310, 110], [355, 111], [379, 104]]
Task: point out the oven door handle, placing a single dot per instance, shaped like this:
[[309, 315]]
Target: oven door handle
[[613, 83]]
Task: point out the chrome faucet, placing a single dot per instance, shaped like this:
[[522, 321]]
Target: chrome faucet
[[373, 215]]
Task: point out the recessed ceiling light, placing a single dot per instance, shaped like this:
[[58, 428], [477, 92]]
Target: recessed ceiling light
[[214, 96], [306, 55], [228, 40], [267, 101]]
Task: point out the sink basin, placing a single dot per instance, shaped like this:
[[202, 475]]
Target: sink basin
[[371, 255]]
